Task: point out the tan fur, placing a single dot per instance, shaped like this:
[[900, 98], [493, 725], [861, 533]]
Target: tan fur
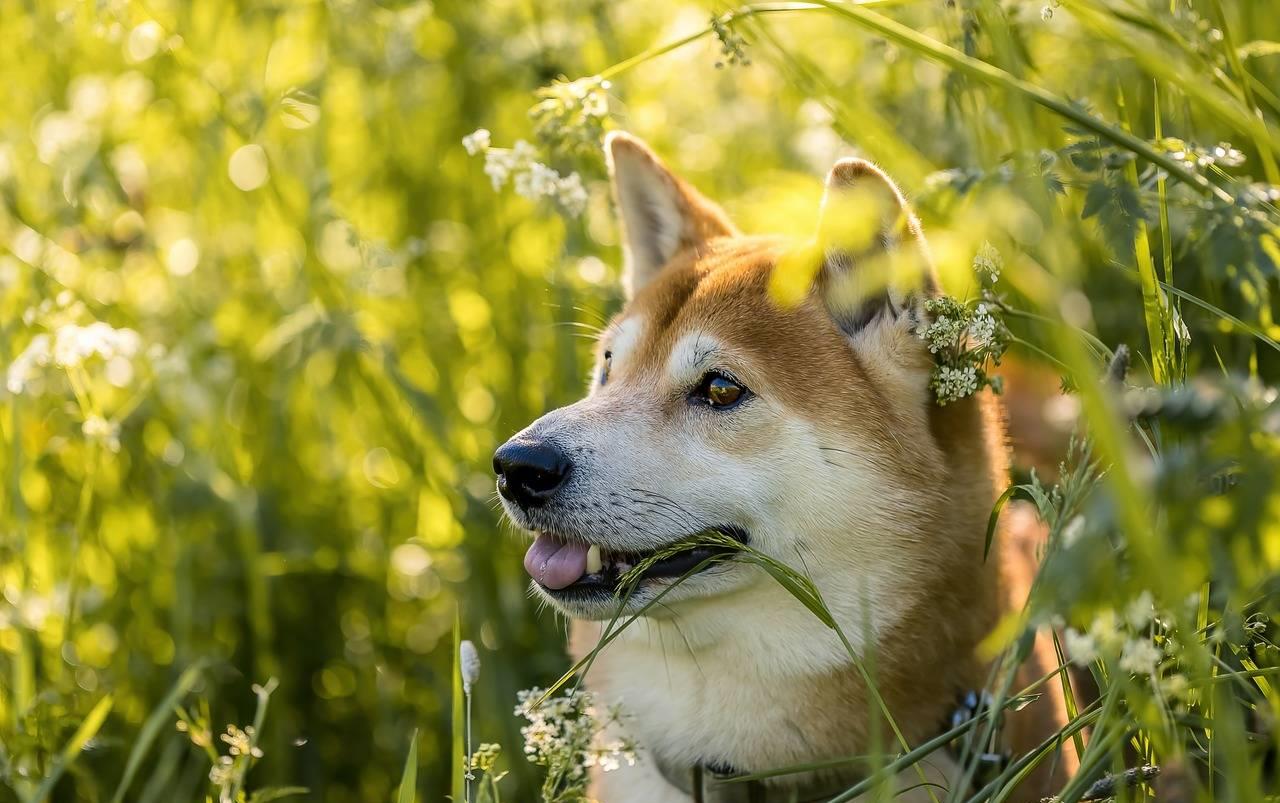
[[879, 493]]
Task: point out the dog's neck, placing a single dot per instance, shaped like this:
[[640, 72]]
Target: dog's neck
[[779, 687]]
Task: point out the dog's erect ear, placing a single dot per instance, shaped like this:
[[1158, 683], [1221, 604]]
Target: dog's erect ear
[[874, 261], [661, 214]]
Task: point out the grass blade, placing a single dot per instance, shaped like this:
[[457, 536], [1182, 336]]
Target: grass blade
[[1153, 309], [900, 34], [1215, 310], [994, 519], [159, 716], [457, 754], [408, 792], [87, 730]]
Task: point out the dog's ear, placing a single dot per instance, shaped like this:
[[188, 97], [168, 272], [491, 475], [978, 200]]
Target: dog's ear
[[875, 265], [661, 214]]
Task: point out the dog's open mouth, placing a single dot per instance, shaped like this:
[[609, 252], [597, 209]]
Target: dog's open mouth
[[564, 567]]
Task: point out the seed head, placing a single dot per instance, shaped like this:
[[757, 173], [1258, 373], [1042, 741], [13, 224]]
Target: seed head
[[469, 663]]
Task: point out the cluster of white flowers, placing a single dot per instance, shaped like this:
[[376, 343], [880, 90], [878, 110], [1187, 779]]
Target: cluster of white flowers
[[1140, 657], [1110, 635], [75, 344], [562, 735], [29, 364], [966, 337], [982, 326], [477, 141], [948, 323], [80, 356], [531, 178], [951, 384], [71, 346]]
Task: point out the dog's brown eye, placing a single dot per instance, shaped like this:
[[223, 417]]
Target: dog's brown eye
[[719, 391]]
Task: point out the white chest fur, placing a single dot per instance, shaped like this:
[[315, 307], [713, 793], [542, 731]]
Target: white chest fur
[[733, 684]]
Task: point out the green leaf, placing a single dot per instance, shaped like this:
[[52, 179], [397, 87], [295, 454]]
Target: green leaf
[[1096, 198]]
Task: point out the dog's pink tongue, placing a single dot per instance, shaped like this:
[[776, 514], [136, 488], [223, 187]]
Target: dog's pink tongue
[[555, 563]]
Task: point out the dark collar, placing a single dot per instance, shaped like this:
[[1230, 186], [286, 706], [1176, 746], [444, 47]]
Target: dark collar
[[707, 785], [714, 782]]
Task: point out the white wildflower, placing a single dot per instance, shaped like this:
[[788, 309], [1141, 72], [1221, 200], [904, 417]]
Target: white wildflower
[[989, 262], [1081, 647], [1140, 611], [498, 165], [25, 368], [476, 141], [223, 773], [607, 763], [942, 333], [540, 738], [952, 384], [611, 755], [1175, 686], [982, 327], [74, 344], [537, 182], [530, 178], [1139, 657], [572, 195], [1106, 631], [523, 152], [96, 428]]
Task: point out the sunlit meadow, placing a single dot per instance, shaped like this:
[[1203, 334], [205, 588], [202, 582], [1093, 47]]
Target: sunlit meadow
[[276, 278]]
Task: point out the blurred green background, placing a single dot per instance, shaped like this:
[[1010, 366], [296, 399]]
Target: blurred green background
[[339, 319]]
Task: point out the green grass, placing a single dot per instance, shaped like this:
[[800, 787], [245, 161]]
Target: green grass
[[289, 477]]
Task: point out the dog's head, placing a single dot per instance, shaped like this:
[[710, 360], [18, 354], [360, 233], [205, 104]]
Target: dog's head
[[776, 393]]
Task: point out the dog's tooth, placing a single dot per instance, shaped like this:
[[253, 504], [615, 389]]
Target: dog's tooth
[[594, 563]]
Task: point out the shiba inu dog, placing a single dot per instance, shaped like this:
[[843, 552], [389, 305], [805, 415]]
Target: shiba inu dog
[[805, 428]]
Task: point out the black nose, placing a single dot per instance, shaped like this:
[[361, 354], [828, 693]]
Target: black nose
[[529, 472]]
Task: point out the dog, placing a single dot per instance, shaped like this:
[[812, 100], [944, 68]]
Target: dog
[[801, 423]]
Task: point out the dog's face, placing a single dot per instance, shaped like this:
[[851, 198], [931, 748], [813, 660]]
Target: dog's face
[[798, 427]]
